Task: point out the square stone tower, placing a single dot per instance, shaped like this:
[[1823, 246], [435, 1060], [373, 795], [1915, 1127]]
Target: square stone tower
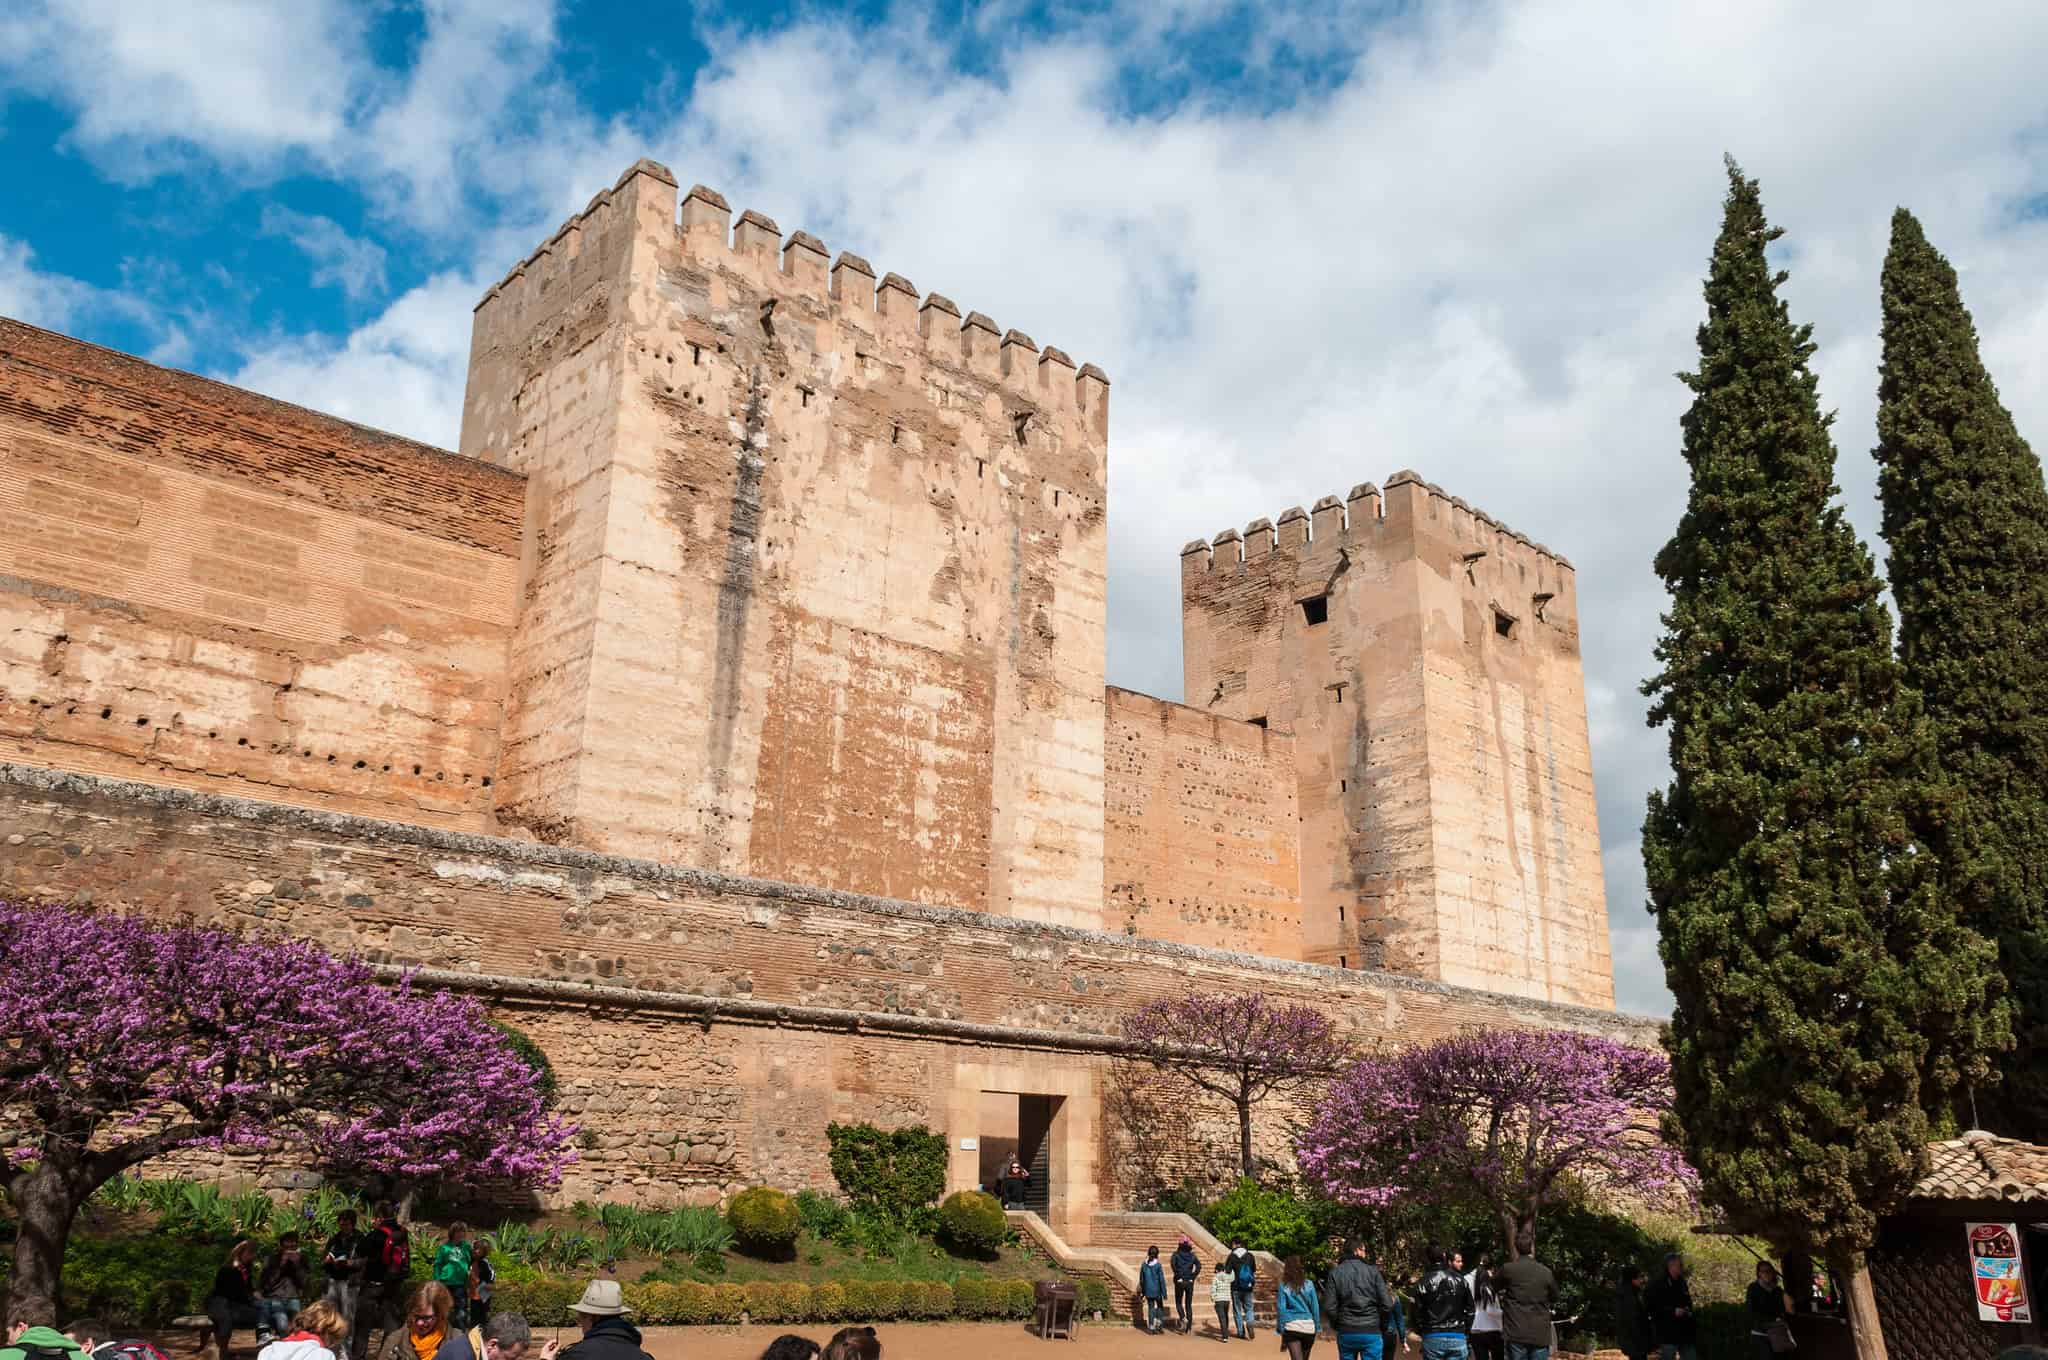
[[1425, 660], [813, 575]]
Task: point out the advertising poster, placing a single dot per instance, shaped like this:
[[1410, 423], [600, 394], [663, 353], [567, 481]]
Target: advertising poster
[[1995, 1271]]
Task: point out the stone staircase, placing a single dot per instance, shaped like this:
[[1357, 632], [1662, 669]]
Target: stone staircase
[[1116, 1248]]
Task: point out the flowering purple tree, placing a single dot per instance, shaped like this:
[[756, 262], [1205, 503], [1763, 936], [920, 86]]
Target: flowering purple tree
[[127, 1039], [1240, 1046], [1511, 1117]]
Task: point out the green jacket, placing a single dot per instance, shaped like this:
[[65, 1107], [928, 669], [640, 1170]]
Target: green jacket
[[40, 1339]]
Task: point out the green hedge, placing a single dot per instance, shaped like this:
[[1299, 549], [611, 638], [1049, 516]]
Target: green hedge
[[545, 1302]]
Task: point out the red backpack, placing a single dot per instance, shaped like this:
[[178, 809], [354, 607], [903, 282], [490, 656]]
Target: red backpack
[[394, 1250]]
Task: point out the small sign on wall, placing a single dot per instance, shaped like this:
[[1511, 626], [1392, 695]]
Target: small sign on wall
[[1996, 1273], [970, 1144]]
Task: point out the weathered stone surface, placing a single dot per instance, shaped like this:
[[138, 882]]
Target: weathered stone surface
[[733, 716], [1427, 667]]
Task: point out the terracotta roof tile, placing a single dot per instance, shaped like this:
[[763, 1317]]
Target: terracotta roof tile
[[1983, 1166]]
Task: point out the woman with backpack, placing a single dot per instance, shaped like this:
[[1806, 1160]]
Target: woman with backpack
[[1297, 1310], [387, 1271]]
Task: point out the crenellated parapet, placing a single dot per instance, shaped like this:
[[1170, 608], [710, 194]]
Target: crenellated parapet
[[799, 268], [1408, 518], [1365, 510]]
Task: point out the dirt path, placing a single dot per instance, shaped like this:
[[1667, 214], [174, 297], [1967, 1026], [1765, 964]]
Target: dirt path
[[956, 1341]]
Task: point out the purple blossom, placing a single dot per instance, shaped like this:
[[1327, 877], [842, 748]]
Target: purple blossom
[[1511, 1117], [211, 1039], [1241, 1046]]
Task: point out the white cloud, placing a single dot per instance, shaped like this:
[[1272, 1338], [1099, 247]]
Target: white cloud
[[351, 263], [402, 372], [1478, 255], [53, 301], [236, 79]]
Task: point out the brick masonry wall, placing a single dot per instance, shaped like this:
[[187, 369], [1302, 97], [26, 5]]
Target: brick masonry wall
[[752, 1093], [819, 570], [200, 587], [1199, 828]]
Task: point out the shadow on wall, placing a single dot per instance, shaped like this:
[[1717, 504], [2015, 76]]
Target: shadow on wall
[[1166, 1142]]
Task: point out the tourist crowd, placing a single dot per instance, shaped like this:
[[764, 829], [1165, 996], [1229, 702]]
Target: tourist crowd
[[426, 1328], [1489, 1312]]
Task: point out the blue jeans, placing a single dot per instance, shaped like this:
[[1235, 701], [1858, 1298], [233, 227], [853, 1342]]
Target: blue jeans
[[1444, 1346], [1518, 1351], [1360, 1346], [1155, 1312], [1241, 1310]]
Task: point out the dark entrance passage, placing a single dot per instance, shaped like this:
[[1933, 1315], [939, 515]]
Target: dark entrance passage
[[1018, 1126]]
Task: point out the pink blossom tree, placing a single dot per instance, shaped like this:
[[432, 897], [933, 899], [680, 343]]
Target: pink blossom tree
[[1510, 1117], [1241, 1046], [127, 1039]]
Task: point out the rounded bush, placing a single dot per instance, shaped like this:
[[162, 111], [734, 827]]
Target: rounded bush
[[973, 1223], [765, 1222]]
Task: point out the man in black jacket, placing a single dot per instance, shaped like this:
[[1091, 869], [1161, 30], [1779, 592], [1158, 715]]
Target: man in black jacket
[[1186, 1266], [1672, 1324], [1527, 1291], [1443, 1309], [342, 1263], [601, 1313], [1358, 1303]]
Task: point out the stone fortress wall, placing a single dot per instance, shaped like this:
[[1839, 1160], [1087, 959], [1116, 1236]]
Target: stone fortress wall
[[1425, 659], [731, 712]]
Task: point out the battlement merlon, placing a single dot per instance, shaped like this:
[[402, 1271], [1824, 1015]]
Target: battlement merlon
[[801, 267], [1529, 575]]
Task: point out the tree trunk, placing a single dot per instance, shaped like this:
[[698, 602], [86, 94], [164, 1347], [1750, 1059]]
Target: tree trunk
[[1244, 1137], [1864, 1326], [1511, 1225], [47, 1201]]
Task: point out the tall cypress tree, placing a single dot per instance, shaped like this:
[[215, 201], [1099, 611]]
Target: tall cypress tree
[[1966, 517], [1824, 987]]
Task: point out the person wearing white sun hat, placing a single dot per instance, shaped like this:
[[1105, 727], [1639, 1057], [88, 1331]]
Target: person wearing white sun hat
[[601, 1313]]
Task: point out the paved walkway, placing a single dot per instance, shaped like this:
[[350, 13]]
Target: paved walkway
[[955, 1341]]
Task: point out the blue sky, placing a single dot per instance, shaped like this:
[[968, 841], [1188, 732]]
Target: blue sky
[[1312, 244]]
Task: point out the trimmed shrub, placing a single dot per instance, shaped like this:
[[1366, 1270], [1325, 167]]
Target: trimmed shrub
[[860, 1300], [972, 1223], [970, 1297], [1094, 1296], [927, 1299], [828, 1302], [893, 1173], [544, 1302], [1019, 1297], [777, 1300], [885, 1297], [765, 1221], [728, 1301], [694, 1302]]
